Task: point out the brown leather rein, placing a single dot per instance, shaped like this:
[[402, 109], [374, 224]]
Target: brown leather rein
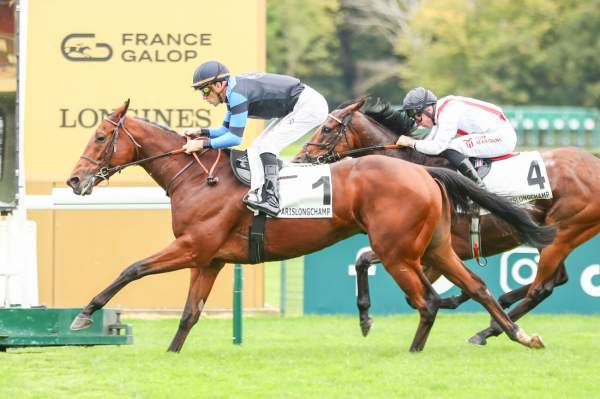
[[331, 155], [105, 172]]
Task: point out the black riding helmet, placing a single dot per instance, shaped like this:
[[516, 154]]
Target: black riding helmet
[[417, 100], [208, 73]]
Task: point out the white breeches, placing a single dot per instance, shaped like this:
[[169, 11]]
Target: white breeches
[[310, 111]]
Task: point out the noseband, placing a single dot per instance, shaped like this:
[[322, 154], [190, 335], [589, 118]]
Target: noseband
[[330, 154], [105, 171]]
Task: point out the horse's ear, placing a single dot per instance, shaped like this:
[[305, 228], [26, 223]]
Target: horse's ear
[[122, 110], [355, 106]]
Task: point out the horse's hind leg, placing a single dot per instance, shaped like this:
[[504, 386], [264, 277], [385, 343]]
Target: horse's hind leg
[[494, 330], [176, 256], [551, 273], [363, 299], [201, 283], [453, 268], [422, 296]]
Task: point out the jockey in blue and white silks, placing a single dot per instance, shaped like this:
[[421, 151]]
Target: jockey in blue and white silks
[[295, 107]]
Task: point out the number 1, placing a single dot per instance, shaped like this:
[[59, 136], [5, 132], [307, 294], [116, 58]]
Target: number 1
[[324, 181]]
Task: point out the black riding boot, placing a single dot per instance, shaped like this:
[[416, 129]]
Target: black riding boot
[[269, 203], [467, 169], [463, 165]]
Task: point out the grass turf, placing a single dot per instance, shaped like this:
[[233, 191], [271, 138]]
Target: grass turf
[[316, 357]]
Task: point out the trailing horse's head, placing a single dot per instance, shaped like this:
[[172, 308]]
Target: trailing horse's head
[[358, 123], [333, 136], [103, 152]]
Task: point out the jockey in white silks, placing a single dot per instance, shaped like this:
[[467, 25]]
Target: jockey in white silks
[[461, 128]]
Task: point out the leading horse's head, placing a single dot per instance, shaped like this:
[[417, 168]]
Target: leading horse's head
[[103, 151], [334, 135]]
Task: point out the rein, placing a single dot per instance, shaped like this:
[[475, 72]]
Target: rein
[[336, 156], [118, 168], [330, 147], [331, 155], [105, 172]]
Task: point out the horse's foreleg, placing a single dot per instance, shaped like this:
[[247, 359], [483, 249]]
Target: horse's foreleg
[[176, 256], [201, 283], [511, 297], [452, 302], [363, 299]]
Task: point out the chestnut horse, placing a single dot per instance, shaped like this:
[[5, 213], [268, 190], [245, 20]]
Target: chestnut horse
[[404, 211], [574, 177]]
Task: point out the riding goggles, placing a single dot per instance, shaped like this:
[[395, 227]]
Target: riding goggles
[[205, 90], [413, 113]]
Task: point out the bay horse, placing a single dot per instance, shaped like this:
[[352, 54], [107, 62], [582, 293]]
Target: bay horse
[[574, 176], [403, 209]]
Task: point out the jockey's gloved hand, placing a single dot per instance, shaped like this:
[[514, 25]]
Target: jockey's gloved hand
[[196, 145], [195, 132], [406, 141]]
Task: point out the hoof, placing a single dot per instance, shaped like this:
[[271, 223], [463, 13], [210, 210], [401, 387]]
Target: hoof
[[365, 326], [81, 322], [536, 342], [477, 340]]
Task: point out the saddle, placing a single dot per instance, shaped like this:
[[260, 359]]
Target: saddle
[[256, 232], [483, 165], [241, 167]]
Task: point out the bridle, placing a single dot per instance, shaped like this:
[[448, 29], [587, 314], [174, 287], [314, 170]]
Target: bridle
[[330, 154], [105, 171]]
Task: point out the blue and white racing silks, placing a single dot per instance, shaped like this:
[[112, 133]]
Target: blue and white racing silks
[[254, 95]]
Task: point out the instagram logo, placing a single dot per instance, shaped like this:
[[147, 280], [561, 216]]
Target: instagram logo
[[518, 267], [590, 280]]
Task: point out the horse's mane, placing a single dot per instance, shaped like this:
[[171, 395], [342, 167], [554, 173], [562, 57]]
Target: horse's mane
[[158, 125], [383, 113], [397, 122]]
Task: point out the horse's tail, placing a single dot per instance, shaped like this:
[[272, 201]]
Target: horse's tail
[[460, 189]]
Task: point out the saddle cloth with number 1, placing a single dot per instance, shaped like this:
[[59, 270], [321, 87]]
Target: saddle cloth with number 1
[[305, 190]]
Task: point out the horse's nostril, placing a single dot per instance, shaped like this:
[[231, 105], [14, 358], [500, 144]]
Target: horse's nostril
[[73, 181]]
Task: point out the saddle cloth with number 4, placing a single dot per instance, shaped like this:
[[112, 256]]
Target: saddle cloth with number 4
[[522, 178]]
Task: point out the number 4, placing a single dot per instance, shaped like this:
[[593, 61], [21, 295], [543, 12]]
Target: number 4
[[535, 175]]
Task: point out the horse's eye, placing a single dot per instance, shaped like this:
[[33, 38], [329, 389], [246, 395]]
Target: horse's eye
[[100, 138], [326, 129]]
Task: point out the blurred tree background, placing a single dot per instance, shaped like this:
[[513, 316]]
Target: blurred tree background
[[530, 52]]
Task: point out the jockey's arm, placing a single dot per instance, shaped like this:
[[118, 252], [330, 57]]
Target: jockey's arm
[[226, 140], [231, 132], [441, 135], [221, 130], [212, 132]]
